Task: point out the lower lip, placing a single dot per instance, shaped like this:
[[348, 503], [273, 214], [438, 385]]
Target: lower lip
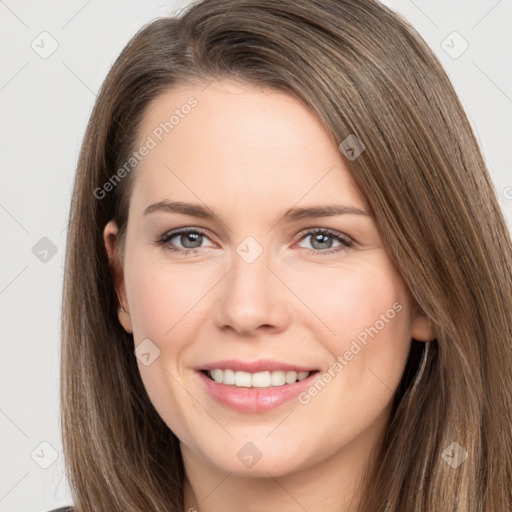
[[255, 400]]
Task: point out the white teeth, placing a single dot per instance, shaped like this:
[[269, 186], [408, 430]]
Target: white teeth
[[228, 377], [242, 379], [261, 380], [264, 379], [277, 378], [291, 377], [217, 375]]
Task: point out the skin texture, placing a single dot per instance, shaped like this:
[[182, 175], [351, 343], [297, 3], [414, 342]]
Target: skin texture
[[250, 154]]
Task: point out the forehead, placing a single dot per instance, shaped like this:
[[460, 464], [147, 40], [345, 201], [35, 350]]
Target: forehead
[[227, 141]]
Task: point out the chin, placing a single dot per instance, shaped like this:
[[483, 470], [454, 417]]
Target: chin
[[257, 459]]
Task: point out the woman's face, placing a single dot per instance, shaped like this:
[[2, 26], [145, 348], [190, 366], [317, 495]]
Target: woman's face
[[252, 292]]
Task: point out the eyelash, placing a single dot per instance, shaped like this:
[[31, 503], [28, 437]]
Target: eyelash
[[345, 241]]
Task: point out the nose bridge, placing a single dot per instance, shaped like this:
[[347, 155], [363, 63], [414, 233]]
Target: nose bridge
[[250, 267], [250, 296]]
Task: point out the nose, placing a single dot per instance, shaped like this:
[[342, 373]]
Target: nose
[[251, 298]]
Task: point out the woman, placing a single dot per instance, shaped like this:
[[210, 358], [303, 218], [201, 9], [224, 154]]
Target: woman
[[288, 278]]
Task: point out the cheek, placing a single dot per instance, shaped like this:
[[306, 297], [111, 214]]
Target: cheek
[[162, 297], [365, 321], [351, 297], [164, 304]]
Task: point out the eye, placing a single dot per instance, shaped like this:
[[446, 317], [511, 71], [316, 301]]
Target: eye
[[190, 239], [322, 239]]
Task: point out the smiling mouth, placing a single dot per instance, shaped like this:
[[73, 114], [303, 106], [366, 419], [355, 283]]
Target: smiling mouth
[[257, 380]]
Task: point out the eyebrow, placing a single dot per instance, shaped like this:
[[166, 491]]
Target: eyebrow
[[290, 215]]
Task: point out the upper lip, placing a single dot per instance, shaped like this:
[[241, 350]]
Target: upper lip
[[255, 366]]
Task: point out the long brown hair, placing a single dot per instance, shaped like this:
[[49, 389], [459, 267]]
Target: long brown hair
[[365, 72]]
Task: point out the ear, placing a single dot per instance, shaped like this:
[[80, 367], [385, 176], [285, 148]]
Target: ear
[[110, 233], [421, 326]]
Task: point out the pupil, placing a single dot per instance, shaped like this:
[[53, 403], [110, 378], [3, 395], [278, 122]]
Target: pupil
[[186, 240], [322, 239]]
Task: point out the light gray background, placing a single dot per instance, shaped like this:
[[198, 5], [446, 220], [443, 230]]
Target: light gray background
[[45, 104]]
